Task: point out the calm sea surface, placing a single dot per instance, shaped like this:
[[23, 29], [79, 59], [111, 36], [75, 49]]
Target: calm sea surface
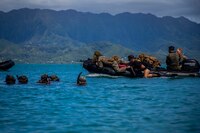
[[157, 105]]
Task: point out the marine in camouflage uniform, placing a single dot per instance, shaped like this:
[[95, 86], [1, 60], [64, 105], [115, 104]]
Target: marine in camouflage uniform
[[115, 64], [172, 60], [150, 61]]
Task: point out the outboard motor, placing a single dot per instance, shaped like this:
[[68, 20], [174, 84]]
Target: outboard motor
[[190, 65]]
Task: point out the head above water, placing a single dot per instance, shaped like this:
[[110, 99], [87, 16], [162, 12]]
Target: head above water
[[44, 77], [10, 79], [22, 79], [81, 80]]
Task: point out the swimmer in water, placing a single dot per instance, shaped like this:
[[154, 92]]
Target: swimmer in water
[[81, 80]]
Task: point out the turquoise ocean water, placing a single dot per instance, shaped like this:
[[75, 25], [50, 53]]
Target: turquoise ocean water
[[157, 105]]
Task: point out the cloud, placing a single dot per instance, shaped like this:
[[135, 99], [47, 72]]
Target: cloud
[[187, 8]]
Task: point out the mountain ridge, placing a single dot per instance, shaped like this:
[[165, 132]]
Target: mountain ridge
[[71, 28]]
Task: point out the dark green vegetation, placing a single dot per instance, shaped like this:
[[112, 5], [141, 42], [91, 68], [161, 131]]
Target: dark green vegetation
[[48, 36]]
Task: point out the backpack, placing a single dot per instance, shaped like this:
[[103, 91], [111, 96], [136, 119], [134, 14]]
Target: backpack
[[149, 60]]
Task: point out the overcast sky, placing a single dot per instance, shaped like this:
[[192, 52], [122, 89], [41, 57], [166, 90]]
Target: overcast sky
[[176, 8]]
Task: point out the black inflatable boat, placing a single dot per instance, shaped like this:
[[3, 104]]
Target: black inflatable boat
[[190, 68], [6, 65]]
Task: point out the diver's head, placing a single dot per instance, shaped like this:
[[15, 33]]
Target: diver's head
[[10, 79], [81, 80]]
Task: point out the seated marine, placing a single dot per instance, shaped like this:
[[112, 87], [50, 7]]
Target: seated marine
[[100, 60], [96, 56], [118, 65], [139, 66], [181, 56], [151, 61], [172, 60]]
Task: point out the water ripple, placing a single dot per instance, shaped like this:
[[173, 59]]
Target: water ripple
[[104, 105]]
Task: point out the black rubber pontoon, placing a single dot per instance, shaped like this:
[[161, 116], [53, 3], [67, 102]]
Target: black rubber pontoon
[[191, 69], [6, 65]]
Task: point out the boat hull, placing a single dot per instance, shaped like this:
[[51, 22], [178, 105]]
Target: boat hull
[[6, 65], [93, 68]]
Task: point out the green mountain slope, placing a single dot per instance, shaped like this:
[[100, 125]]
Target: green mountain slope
[[54, 35], [58, 54]]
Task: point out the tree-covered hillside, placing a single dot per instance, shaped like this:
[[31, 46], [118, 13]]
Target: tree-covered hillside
[[51, 33]]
